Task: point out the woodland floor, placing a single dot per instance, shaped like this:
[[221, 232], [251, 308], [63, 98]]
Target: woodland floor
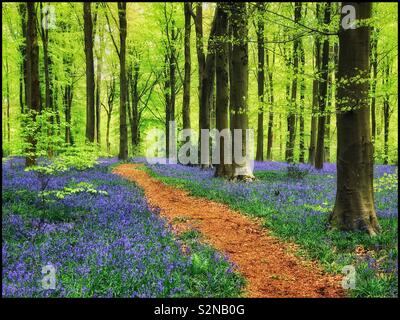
[[269, 265]]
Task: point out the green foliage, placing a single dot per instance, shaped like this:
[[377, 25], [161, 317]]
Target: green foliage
[[71, 190], [388, 182]]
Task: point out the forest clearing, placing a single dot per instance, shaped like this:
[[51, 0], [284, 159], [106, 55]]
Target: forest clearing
[[199, 149]]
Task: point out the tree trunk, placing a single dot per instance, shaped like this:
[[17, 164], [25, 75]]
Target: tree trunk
[[133, 113], [270, 138], [201, 58], [110, 100], [90, 110], [123, 131], [99, 57], [67, 107], [47, 77], [167, 92], [186, 81], [323, 87], [172, 73], [374, 68], [291, 118], [223, 168], [207, 87], [240, 74], [302, 96], [260, 82], [315, 99], [32, 77], [386, 113], [7, 70], [22, 49], [354, 206]]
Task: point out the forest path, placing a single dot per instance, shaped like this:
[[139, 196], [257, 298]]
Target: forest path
[[268, 264]]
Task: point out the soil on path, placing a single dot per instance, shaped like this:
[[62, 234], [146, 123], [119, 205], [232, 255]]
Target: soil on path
[[268, 264]]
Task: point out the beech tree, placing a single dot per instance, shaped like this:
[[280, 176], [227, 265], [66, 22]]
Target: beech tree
[[323, 89], [223, 169], [32, 79], [260, 81], [186, 82], [354, 206], [123, 130], [239, 87], [90, 110]]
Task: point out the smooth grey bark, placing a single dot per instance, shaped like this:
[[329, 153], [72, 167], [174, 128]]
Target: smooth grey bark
[[354, 206], [223, 169], [239, 86]]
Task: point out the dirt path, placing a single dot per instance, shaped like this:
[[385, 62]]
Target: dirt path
[[268, 264]]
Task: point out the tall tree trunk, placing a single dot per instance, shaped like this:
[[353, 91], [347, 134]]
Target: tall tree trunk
[[291, 118], [68, 94], [201, 58], [354, 206], [8, 103], [90, 110], [260, 82], [374, 68], [167, 95], [22, 49], [207, 87], [223, 168], [47, 77], [302, 97], [329, 100], [133, 113], [110, 100], [315, 95], [323, 87], [270, 138], [240, 85], [46, 60], [386, 113], [123, 131], [99, 58], [172, 72], [32, 77], [186, 81]]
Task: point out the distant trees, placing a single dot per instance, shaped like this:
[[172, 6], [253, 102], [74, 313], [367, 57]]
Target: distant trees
[[354, 206], [293, 82]]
